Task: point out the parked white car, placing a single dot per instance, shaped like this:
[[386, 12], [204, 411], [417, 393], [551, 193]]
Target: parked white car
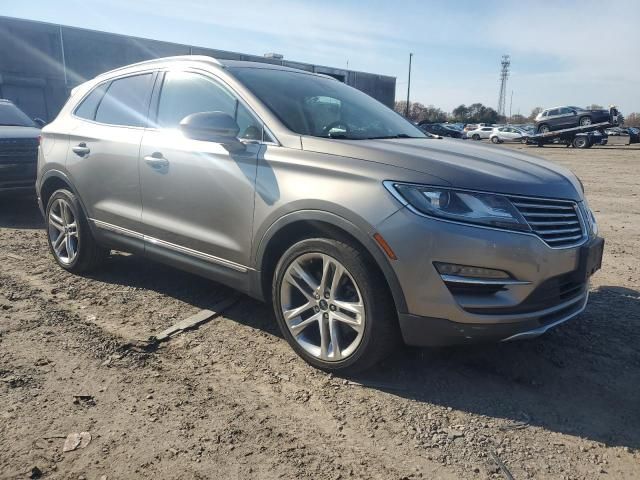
[[508, 134], [480, 133]]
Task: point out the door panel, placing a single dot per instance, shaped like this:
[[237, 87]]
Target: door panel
[[107, 176], [195, 194], [201, 197], [104, 147]]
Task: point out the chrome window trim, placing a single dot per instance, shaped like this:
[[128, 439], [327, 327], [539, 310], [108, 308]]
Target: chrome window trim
[[389, 186], [170, 246], [223, 84], [109, 80]]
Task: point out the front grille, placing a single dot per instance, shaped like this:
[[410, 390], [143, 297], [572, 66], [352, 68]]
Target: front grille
[[23, 149], [555, 221]]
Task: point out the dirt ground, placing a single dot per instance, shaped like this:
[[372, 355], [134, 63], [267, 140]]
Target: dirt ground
[[231, 400]]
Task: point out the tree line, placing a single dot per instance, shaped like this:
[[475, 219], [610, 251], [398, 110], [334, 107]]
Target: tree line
[[479, 113]]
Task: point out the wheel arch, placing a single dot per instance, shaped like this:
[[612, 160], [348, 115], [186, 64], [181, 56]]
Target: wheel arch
[[298, 225], [54, 180]]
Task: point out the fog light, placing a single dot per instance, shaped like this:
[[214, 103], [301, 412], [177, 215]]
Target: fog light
[[467, 271]]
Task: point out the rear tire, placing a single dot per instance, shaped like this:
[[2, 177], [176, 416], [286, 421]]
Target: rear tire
[[495, 140], [476, 136], [312, 308], [585, 121], [68, 234], [544, 128], [581, 142]]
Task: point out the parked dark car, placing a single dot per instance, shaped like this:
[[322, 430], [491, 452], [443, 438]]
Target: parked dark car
[[18, 149], [559, 118], [440, 129]]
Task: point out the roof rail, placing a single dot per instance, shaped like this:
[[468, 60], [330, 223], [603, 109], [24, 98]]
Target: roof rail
[[196, 58]]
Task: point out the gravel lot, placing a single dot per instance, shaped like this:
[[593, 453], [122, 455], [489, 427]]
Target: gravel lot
[[231, 400]]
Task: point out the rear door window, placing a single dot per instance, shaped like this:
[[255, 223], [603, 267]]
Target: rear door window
[[126, 101]]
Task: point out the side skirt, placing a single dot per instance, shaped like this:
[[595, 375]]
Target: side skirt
[[220, 270]]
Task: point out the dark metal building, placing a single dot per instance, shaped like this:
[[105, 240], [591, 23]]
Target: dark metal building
[[41, 62]]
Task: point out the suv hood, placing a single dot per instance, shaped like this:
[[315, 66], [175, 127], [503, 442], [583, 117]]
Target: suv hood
[[460, 164], [18, 132]]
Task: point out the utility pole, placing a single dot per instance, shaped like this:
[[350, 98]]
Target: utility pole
[[505, 63], [510, 105], [406, 110]]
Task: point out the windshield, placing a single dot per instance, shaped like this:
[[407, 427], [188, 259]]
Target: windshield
[[10, 115], [321, 107]]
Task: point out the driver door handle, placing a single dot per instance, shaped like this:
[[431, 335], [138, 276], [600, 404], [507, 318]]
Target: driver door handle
[[156, 160], [81, 149]]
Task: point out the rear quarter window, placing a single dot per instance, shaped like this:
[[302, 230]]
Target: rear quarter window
[[88, 106]]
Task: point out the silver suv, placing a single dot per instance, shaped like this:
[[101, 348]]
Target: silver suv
[[299, 190]]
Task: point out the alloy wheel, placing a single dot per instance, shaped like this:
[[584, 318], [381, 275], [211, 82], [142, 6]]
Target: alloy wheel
[[63, 231], [322, 307]]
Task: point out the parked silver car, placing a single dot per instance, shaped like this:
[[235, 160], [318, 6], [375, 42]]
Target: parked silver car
[[300, 190]]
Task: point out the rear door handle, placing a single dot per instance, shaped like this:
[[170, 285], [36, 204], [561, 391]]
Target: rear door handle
[[81, 149], [156, 160]]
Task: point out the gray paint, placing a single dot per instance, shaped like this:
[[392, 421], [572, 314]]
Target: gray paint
[[213, 212]]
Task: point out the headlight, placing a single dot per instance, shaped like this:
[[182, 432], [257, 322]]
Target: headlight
[[468, 207]]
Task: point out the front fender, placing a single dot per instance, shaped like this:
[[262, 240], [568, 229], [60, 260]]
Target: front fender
[[358, 229]]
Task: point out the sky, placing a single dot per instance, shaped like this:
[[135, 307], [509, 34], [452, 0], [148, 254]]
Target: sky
[[570, 52]]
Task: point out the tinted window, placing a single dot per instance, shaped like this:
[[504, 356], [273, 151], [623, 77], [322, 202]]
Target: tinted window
[[87, 109], [487, 129], [554, 112], [12, 115], [126, 101], [322, 107], [184, 93]]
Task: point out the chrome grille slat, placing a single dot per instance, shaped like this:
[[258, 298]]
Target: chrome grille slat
[[563, 239], [560, 230], [557, 215], [547, 206], [556, 222], [553, 222]]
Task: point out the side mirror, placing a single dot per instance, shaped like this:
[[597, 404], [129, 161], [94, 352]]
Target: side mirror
[[217, 127], [40, 122]]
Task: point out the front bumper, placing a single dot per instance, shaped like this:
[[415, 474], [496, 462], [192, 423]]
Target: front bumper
[[553, 290]]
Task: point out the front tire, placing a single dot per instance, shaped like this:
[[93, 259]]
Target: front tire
[[495, 140], [333, 307], [476, 136], [544, 128], [68, 234]]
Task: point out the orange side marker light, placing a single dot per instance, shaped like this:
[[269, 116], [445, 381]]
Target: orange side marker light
[[385, 246]]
